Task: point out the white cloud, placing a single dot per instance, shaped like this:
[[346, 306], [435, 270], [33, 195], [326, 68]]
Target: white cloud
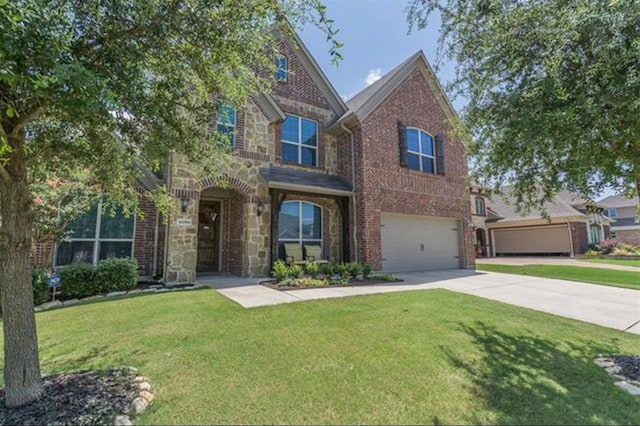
[[373, 76]]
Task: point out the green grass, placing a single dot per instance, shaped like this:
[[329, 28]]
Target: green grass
[[624, 262], [611, 277], [410, 357]]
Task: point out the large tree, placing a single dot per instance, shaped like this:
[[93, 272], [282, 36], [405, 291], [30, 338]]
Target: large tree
[[553, 89], [98, 88]]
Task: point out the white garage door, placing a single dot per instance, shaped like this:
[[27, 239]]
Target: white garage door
[[418, 243], [523, 241]]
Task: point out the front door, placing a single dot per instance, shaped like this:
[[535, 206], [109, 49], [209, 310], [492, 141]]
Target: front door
[[209, 236]]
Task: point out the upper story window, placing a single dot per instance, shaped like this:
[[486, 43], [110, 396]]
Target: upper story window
[[420, 151], [611, 213], [300, 140], [226, 121], [480, 207], [97, 234], [281, 68]]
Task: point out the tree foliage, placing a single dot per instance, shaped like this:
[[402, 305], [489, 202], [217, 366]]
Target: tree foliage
[[553, 89], [91, 91]]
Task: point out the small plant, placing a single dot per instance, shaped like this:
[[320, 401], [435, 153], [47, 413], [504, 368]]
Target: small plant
[[354, 269], [384, 277], [310, 282], [327, 269], [592, 253], [342, 269], [280, 270], [312, 269], [366, 270], [295, 271]]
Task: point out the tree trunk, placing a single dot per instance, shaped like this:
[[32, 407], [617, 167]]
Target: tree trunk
[[21, 365]]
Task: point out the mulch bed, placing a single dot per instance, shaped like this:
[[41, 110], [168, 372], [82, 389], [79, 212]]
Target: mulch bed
[[274, 285], [629, 364], [80, 398]]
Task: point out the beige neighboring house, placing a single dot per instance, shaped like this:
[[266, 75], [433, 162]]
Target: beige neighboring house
[[624, 213], [500, 230]]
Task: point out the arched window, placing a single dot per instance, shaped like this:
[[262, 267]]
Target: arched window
[[299, 222], [421, 154]]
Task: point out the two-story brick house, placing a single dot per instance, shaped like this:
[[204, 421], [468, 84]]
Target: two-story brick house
[[377, 179], [624, 214]]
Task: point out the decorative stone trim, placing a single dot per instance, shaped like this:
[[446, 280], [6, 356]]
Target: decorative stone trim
[[231, 182], [139, 403], [615, 371], [189, 194], [151, 289], [252, 155]]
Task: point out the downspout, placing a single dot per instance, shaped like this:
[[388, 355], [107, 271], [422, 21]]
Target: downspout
[[573, 254], [156, 232], [353, 196]]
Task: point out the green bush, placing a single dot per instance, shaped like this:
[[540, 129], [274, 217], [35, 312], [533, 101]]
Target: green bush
[[40, 286], [312, 269], [79, 280], [366, 269], [117, 274], [354, 269], [342, 269], [327, 269], [280, 270], [295, 271]]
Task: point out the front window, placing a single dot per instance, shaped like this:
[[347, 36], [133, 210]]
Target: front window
[[299, 222], [594, 235], [611, 213], [226, 122], [480, 207], [281, 68], [100, 233], [420, 151], [300, 140]]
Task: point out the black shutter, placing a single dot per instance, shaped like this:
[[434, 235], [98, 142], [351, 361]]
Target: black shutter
[[402, 143], [440, 154]]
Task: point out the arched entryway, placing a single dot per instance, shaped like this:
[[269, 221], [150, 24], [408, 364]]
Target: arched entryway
[[481, 245]]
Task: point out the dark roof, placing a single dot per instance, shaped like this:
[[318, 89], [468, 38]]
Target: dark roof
[[625, 221], [303, 177]]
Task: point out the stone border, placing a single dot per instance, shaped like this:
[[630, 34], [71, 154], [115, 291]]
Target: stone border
[[151, 289], [140, 402], [607, 256], [631, 386]]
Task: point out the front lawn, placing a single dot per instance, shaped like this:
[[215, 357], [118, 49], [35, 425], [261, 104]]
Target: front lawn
[[612, 277], [624, 262], [409, 357]]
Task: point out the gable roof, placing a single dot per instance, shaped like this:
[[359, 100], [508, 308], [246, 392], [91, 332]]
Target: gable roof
[[317, 75], [366, 101], [616, 201], [504, 205]]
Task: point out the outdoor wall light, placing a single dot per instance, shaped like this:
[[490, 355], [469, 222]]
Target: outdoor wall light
[[259, 208], [184, 203]]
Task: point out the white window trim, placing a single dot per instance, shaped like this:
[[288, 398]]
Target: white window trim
[[484, 207], [420, 154], [235, 121], [299, 143], [300, 240], [286, 68], [96, 240], [615, 213]]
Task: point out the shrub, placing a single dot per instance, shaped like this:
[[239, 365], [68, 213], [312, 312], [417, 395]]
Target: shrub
[[354, 269], [280, 270], [592, 253], [385, 277], [366, 269], [310, 282], [342, 269], [296, 271], [40, 286], [327, 269], [607, 246], [79, 280], [312, 269], [117, 274]]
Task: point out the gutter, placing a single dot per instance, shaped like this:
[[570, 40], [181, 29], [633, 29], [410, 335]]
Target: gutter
[[353, 196]]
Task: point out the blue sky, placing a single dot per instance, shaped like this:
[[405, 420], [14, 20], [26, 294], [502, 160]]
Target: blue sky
[[374, 33]]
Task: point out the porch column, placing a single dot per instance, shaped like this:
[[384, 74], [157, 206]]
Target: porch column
[[277, 198], [343, 205]]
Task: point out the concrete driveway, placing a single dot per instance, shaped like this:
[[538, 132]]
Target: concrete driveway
[[613, 307], [548, 260]]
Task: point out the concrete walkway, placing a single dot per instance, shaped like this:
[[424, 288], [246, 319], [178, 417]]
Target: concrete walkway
[[613, 307], [563, 261]]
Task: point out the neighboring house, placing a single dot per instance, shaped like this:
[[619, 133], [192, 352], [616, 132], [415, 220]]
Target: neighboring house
[[624, 214], [572, 224], [377, 179]]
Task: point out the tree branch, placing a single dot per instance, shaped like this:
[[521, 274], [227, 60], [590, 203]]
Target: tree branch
[[4, 175], [24, 120]]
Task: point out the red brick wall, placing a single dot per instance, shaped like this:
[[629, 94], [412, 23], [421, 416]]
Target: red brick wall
[[580, 237], [233, 234], [629, 236], [385, 186], [143, 244], [607, 231], [42, 254]]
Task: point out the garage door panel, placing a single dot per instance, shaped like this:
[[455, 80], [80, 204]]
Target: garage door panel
[[416, 243], [532, 240]]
